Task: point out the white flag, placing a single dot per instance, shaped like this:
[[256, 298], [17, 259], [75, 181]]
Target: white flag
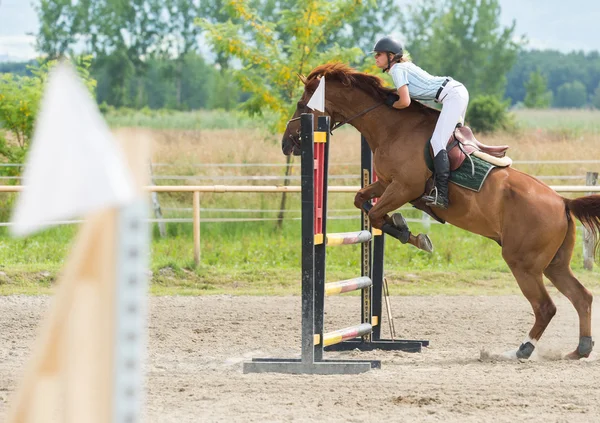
[[74, 165], [317, 101]]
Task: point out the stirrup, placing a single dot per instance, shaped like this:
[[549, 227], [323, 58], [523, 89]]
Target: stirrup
[[432, 200]]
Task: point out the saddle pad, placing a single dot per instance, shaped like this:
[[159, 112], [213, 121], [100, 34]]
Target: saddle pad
[[463, 176]]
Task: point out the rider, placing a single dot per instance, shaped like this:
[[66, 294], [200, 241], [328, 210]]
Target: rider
[[413, 82]]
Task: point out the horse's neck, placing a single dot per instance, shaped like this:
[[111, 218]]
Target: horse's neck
[[384, 123]]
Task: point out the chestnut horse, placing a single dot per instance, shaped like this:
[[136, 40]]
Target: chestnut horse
[[532, 223]]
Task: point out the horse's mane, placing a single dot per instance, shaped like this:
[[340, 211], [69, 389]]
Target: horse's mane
[[350, 77]]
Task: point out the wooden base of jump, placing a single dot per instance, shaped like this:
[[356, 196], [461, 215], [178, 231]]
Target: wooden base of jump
[[364, 336]]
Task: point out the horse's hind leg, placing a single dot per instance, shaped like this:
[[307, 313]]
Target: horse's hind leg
[[560, 274], [528, 254]]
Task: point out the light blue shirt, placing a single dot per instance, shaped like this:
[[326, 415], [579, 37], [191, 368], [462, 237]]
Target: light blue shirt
[[421, 85]]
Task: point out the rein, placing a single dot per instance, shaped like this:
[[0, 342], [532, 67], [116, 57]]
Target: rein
[[338, 124], [364, 112], [296, 142]]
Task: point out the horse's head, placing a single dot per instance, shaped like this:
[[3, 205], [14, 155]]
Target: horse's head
[[290, 143], [350, 96]]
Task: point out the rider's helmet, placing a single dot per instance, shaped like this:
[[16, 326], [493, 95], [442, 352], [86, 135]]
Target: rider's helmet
[[388, 44]]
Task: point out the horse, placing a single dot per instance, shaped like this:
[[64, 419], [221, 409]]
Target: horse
[[534, 226]]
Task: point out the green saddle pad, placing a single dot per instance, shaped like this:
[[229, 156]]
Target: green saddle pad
[[464, 175]]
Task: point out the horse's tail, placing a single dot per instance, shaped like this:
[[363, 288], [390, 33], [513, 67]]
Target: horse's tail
[[587, 210]]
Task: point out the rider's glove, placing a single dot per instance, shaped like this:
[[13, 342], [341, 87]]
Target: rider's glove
[[391, 99]]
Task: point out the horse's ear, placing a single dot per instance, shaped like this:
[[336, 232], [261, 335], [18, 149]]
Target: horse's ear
[[302, 78]]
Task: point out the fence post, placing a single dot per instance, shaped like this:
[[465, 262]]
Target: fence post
[[591, 178], [196, 211], [156, 206]]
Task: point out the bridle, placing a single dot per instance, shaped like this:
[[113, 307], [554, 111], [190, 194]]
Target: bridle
[[364, 112], [304, 108]]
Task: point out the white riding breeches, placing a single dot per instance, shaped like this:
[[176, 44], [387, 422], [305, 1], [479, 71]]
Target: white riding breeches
[[455, 99]]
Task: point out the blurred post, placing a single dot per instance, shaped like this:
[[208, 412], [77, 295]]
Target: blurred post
[[286, 182], [196, 210], [591, 178], [426, 220], [156, 206]]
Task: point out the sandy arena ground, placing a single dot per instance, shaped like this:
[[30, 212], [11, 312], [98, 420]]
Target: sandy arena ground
[[198, 345]]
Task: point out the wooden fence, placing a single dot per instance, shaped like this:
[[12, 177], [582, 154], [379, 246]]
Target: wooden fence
[[588, 247]]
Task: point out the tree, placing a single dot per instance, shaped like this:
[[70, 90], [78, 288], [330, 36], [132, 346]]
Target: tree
[[273, 53], [596, 97], [121, 34], [19, 102], [538, 96], [571, 95], [269, 65], [60, 23], [558, 68], [371, 22], [185, 32], [462, 39]]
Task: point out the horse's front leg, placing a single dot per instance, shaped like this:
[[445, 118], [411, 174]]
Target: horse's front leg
[[396, 226], [367, 193], [393, 197]]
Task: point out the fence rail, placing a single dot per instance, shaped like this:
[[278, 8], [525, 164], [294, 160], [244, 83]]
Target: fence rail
[[281, 188], [197, 189], [212, 165]]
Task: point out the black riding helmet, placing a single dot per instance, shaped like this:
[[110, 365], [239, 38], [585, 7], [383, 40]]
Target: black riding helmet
[[389, 45]]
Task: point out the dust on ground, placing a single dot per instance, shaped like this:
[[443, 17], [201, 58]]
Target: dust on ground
[[198, 345]]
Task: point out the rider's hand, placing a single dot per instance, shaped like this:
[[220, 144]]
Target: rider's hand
[[391, 99]]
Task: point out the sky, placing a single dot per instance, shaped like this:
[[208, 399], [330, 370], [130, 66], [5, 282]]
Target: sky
[[547, 24]]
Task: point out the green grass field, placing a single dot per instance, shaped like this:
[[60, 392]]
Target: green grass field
[[261, 258]]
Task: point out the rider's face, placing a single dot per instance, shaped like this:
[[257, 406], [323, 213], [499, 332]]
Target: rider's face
[[381, 60]]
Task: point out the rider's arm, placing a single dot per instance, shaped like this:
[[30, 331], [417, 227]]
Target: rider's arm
[[404, 100]]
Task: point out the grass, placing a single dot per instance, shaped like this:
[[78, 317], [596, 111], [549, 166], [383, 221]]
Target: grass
[[258, 258], [192, 120], [263, 260], [568, 122]]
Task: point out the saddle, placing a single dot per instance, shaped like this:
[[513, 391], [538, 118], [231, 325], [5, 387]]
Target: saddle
[[462, 143]]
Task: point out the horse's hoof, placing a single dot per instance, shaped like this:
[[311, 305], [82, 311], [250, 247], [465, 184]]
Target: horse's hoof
[[399, 222], [525, 350], [575, 356], [424, 243], [583, 349]]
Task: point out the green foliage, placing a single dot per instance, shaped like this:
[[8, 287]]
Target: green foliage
[[123, 36], [17, 68], [462, 39], [489, 114], [242, 258], [270, 64], [170, 119], [571, 95], [372, 20], [60, 21], [19, 102], [596, 97], [558, 68], [538, 96], [225, 91]]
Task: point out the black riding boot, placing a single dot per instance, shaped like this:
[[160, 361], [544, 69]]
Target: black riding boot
[[438, 197]]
